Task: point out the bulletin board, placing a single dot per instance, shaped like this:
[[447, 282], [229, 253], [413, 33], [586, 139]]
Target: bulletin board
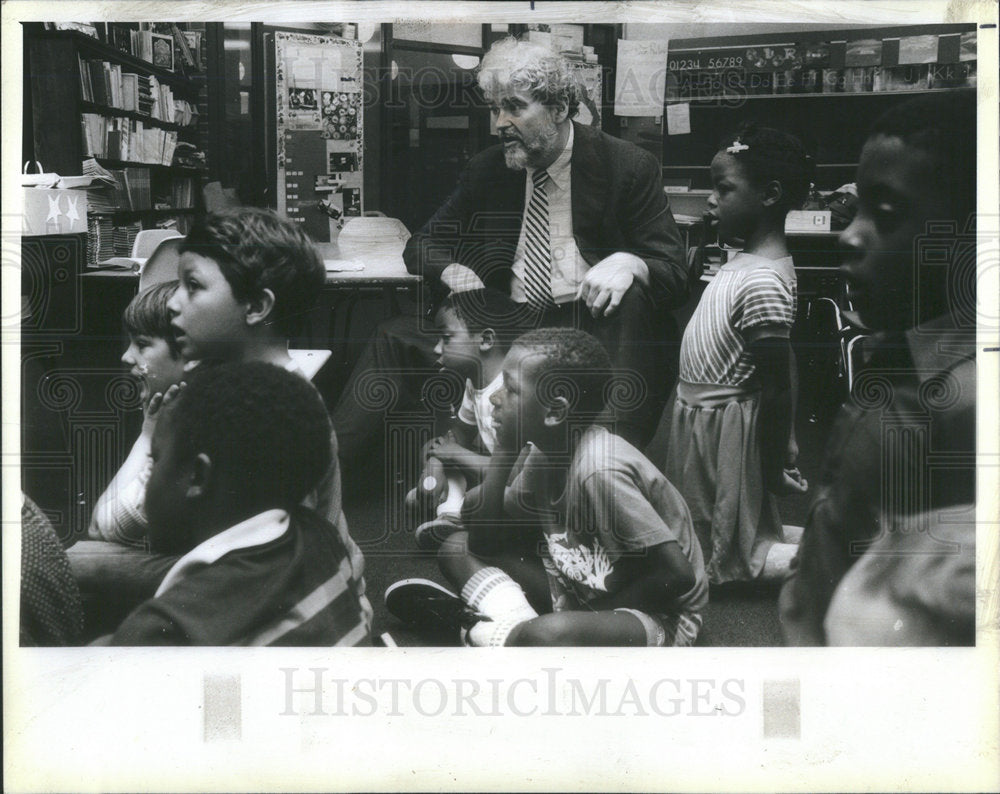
[[319, 133]]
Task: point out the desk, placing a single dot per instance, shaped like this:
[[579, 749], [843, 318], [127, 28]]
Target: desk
[[339, 296]]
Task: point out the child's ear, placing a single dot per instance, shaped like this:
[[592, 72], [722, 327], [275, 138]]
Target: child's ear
[[772, 193], [557, 412], [260, 308], [487, 340], [200, 479]]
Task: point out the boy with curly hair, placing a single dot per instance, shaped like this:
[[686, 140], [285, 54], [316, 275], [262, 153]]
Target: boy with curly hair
[[574, 537], [233, 457]]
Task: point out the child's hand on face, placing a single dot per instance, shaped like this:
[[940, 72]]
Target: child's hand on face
[[155, 406]]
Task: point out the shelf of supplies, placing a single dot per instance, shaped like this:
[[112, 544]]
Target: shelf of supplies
[[98, 49], [160, 211], [740, 97], [106, 110], [185, 170]]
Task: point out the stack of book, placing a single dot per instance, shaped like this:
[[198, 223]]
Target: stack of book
[[185, 113], [100, 239], [189, 155], [144, 98], [123, 237]]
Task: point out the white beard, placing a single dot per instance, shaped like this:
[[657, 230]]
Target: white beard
[[529, 152]]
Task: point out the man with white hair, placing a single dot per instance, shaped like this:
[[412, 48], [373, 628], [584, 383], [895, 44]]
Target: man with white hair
[[569, 221]]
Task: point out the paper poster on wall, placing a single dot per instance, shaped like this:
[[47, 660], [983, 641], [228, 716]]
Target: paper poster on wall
[[640, 77], [319, 111], [679, 119], [918, 49], [589, 76]]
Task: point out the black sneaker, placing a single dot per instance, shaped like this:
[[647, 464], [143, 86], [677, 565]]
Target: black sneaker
[[428, 605]]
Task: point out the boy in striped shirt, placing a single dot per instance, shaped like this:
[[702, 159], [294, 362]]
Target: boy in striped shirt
[[233, 456]]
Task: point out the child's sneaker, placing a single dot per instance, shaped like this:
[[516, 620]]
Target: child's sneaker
[[431, 534], [428, 605]]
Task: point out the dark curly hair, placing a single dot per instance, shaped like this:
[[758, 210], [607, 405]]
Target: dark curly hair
[[258, 421], [576, 367], [479, 309], [147, 314], [942, 124], [771, 154], [256, 250]]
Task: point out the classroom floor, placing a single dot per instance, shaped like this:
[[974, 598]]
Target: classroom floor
[[737, 615]]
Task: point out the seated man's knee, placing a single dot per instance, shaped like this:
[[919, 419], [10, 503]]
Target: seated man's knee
[[637, 298]]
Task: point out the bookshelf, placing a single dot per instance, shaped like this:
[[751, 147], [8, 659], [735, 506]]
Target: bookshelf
[[827, 87], [90, 100]]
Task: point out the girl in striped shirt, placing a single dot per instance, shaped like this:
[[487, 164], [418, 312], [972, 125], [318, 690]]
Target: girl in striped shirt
[[731, 442]]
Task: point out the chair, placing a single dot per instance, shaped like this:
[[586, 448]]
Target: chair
[[162, 263], [147, 241]]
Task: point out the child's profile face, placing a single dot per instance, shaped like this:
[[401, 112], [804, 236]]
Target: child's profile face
[[897, 196], [153, 363], [457, 348], [167, 504], [518, 415], [209, 322], [736, 203]]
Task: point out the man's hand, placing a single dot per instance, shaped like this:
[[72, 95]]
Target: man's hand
[[606, 283]]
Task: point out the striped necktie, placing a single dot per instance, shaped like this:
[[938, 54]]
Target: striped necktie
[[537, 248]]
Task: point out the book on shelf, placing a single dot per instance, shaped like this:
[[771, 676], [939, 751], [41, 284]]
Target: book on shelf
[[104, 83], [129, 140], [162, 48]]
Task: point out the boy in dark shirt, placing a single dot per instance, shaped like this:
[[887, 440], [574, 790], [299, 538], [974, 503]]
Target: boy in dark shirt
[[234, 454]]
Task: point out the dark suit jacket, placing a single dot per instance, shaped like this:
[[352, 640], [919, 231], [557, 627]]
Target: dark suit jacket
[[618, 205]]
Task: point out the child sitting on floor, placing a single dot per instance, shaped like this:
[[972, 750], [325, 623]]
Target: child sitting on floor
[[731, 443], [155, 361], [247, 278], [621, 564], [476, 328], [234, 454]]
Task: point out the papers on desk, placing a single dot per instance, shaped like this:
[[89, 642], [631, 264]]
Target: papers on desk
[[133, 264], [343, 265]]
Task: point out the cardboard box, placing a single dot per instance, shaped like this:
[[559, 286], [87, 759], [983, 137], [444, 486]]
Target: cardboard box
[[53, 211]]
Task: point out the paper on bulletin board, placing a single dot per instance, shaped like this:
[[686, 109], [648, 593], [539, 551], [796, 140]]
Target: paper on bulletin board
[[319, 131], [918, 49], [679, 119], [640, 77], [589, 76]]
